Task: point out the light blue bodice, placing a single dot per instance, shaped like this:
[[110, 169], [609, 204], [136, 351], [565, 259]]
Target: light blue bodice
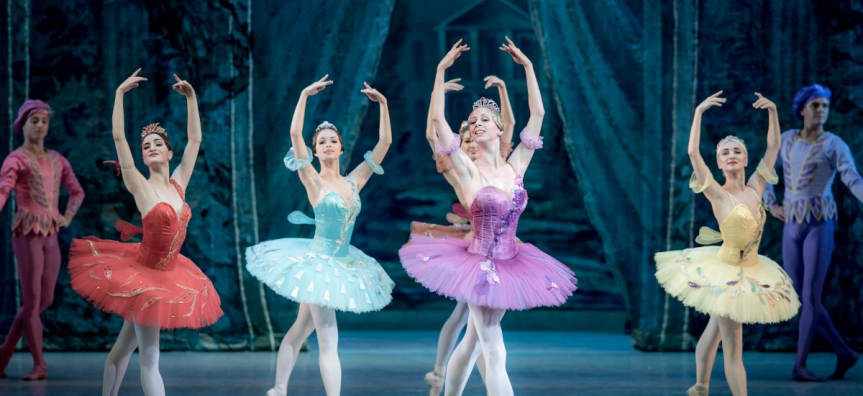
[[334, 222]]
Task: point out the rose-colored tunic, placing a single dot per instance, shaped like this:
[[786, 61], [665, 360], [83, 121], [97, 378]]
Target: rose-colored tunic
[[36, 182]]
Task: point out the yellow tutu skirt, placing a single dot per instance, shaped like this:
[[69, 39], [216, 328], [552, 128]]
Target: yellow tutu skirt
[[757, 293]]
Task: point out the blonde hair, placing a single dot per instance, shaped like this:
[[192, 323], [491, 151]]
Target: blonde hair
[[731, 138], [485, 103]]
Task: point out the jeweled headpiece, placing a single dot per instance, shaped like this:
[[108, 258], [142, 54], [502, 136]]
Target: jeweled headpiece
[[487, 103], [153, 128], [730, 138], [326, 125]]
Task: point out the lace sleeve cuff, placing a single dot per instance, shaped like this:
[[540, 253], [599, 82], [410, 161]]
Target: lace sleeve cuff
[[699, 188], [293, 163], [456, 142], [377, 169], [768, 174], [529, 142]]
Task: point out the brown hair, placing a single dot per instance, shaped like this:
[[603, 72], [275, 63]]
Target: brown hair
[[161, 135]]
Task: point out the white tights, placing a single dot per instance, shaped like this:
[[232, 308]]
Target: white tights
[[132, 336], [449, 336], [311, 318], [731, 335], [483, 334]]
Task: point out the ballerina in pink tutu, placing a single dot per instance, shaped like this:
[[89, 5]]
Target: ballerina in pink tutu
[[460, 219], [149, 284], [490, 271]]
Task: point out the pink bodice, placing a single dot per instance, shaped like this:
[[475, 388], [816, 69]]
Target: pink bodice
[[494, 216]]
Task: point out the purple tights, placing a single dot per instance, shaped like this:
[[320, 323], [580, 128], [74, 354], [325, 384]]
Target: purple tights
[[806, 251]]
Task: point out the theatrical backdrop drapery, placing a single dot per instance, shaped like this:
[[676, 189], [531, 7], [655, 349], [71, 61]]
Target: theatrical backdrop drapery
[[619, 80]]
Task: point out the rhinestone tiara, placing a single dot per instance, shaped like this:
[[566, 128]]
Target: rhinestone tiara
[[153, 128], [487, 103], [326, 125]]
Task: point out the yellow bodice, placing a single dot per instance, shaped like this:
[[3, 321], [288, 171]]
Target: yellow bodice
[[740, 233]]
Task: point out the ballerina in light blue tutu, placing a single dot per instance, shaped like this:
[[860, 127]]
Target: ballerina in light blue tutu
[[324, 274]]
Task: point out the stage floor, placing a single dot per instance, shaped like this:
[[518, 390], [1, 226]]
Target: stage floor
[[393, 364]]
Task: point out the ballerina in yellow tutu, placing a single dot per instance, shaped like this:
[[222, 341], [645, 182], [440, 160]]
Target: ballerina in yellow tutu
[[732, 283]]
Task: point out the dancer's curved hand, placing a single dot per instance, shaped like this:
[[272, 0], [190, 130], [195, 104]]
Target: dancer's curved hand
[[183, 87], [62, 221], [317, 86], [516, 54], [778, 211], [452, 85], [131, 82], [712, 100], [493, 81], [373, 94], [452, 55], [763, 103]]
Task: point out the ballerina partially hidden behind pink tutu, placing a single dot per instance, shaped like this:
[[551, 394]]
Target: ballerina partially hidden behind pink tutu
[[491, 272]]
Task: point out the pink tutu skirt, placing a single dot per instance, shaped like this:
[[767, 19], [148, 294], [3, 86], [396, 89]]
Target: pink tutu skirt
[[527, 280]]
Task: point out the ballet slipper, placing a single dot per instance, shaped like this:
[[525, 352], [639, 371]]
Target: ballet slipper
[[843, 365], [435, 382], [804, 375], [4, 361], [37, 373], [274, 392], [698, 390]]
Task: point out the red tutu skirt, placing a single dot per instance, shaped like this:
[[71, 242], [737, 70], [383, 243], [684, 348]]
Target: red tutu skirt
[[108, 275]]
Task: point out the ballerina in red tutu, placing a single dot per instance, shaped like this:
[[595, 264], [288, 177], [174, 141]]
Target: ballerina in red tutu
[[150, 284]]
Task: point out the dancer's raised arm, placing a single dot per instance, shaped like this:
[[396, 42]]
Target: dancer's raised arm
[[701, 172], [505, 112], [431, 134], [530, 139], [442, 162], [131, 176], [448, 142], [363, 171], [766, 167], [190, 155], [308, 175]]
